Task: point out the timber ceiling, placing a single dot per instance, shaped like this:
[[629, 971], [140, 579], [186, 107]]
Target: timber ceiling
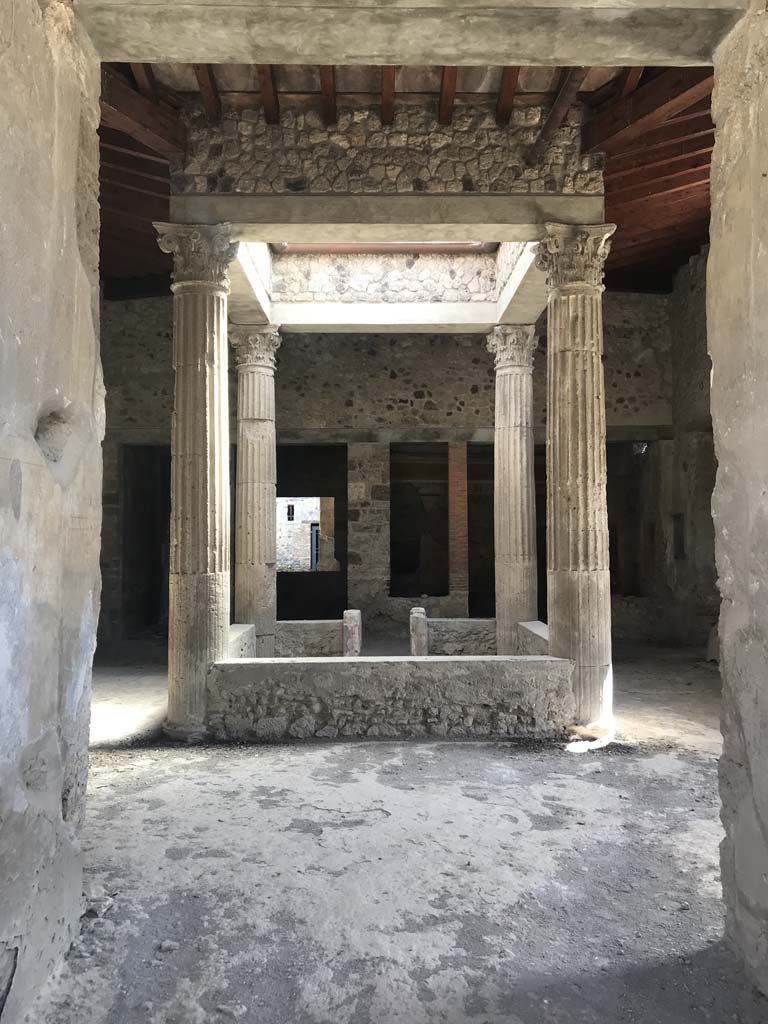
[[653, 124]]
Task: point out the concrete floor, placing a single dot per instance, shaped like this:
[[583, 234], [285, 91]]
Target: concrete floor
[[383, 882]]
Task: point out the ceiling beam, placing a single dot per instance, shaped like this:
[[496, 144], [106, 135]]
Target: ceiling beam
[[209, 90], [447, 94], [648, 108], [388, 94], [699, 145], [151, 124], [630, 80], [661, 185], [134, 165], [269, 98], [328, 94], [572, 81], [117, 142], [145, 81], [507, 90], [109, 174]]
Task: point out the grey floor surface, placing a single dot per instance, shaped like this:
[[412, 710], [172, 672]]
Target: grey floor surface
[[382, 882]]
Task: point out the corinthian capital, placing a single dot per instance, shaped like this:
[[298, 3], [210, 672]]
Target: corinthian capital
[[574, 254], [201, 252], [513, 346], [254, 346]]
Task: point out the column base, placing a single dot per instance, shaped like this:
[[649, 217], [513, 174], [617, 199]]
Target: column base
[[189, 734]]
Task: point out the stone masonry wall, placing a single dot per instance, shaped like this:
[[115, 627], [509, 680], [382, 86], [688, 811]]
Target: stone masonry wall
[[737, 315], [269, 700], [52, 402], [243, 154]]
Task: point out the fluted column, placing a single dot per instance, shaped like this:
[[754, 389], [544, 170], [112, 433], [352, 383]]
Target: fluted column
[[578, 570], [514, 490], [198, 613], [256, 490]]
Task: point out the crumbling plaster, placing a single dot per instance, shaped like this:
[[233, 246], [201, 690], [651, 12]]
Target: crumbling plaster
[[737, 315], [52, 402]]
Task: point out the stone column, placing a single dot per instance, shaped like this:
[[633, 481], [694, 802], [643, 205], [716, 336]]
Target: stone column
[[514, 489], [578, 572], [458, 529], [198, 616], [256, 488]]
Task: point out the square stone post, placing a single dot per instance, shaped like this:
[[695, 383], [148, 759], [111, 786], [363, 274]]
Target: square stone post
[[514, 489], [198, 616], [458, 529], [578, 572], [368, 491], [256, 489]]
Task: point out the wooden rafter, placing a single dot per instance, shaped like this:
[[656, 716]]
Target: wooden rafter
[[269, 97], [388, 94], [151, 124], [630, 80], [209, 90], [116, 142], [661, 185], [328, 93], [507, 90], [572, 81], [141, 168], [631, 117], [145, 81], [700, 146], [447, 94]]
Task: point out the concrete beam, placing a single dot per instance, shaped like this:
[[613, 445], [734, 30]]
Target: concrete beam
[[523, 297], [387, 218], [249, 280], [385, 317], [468, 32]]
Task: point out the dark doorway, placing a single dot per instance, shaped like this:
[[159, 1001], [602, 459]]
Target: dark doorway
[[147, 511], [419, 520]]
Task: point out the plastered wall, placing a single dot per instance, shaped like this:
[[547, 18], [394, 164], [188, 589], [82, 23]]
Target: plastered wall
[[51, 424]]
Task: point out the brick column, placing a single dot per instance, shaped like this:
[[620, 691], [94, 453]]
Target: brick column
[[578, 572], [458, 529], [514, 489], [256, 491], [198, 614]]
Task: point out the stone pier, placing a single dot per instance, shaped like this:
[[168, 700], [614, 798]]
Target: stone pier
[[578, 572], [256, 487], [198, 617], [514, 489]]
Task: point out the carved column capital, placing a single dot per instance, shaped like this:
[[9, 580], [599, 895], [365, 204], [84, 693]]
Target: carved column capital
[[201, 253], [574, 254], [513, 345], [254, 346]]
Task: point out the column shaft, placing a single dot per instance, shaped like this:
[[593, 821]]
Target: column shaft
[[198, 626], [578, 571], [514, 487], [256, 489]]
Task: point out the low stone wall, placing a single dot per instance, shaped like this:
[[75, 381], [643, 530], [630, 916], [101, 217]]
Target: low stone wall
[[315, 638], [270, 699], [462, 636]]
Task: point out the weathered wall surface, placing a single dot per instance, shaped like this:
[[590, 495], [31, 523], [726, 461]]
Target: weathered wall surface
[[51, 397], [266, 700], [321, 638], [357, 155], [462, 636], [737, 315]]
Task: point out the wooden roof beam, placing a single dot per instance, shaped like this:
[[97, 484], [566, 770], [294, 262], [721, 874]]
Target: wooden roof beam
[[630, 80], [328, 94], [146, 83], [507, 91], [388, 94], [209, 90], [269, 98], [155, 126], [447, 94], [662, 185], [631, 117], [572, 81]]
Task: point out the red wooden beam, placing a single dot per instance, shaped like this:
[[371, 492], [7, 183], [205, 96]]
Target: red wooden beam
[[209, 90], [572, 80], [666, 95], [145, 81], [388, 94], [269, 98], [126, 110], [328, 94], [691, 149], [447, 94], [630, 80], [661, 186], [507, 90]]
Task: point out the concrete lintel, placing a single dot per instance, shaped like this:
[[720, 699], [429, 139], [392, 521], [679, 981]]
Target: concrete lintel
[[474, 435], [249, 277], [524, 296], [389, 317], [377, 218], [468, 32]]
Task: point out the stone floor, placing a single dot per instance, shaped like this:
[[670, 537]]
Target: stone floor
[[383, 882]]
